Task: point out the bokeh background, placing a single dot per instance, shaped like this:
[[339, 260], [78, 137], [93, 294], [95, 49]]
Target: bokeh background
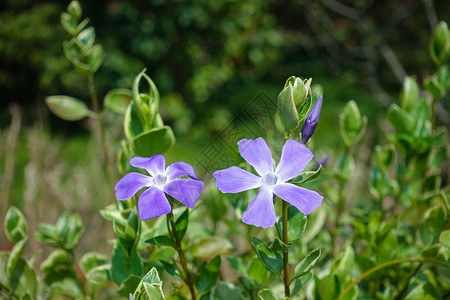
[[209, 59]]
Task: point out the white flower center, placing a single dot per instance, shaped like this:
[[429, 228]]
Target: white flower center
[[159, 180], [269, 180]]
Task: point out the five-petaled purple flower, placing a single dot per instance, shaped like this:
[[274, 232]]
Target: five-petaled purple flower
[[311, 121], [261, 212], [153, 201]]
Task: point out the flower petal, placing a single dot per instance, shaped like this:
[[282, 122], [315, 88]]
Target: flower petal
[[294, 159], [153, 203], [235, 180], [130, 184], [154, 165], [303, 199], [186, 191], [257, 154], [260, 212], [180, 169]]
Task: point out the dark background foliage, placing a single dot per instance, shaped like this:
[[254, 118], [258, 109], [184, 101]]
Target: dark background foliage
[[221, 52]]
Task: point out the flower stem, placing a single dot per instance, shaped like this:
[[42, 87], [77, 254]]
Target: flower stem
[[187, 275], [101, 129], [385, 265], [287, 291]]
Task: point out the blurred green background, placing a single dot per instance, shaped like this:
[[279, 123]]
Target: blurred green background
[[209, 59]]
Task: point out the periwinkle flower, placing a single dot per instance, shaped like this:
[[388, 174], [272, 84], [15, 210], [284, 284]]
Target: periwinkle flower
[[312, 119], [153, 201], [261, 212]]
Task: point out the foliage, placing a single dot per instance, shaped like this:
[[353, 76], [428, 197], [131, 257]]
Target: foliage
[[382, 230]]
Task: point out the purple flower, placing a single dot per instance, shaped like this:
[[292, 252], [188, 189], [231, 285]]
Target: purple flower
[[153, 201], [261, 212], [312, 119]]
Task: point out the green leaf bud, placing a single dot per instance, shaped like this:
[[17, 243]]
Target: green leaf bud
[[74, 9], [440, 44], [409, 95]]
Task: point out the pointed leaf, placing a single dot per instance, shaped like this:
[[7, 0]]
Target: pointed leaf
[[16, 227], [271, 260], [67, 108], [154, 141]]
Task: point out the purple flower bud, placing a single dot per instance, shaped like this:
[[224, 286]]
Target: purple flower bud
[[322, 162], [311, 121]]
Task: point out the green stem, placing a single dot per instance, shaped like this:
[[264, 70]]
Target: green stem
[[287, 291], [340, 206], [433, 114], [187, 275], [385, 265], [101, 127]]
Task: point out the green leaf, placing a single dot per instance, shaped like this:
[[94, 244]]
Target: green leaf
[[296, 223], [67, 286], [278, 245], [74, 9], [170, 268], [182, 223], [440, 44], [133, 229], [379, 183], [423, 291], [161, 240], [147, 104], [409, 95], [68, 23], [433, 86], [75, 231], [212, 246], [287, 109], [237, 263], [48, 234], [119, 265], [227, 291], [94, 58], [351, 124], [67, 108], [16, 227], [344, 264], [118, 100], [207, 276], [301, 283], [87, 37], [305, 108], [14, 256], [91, 260], [23, 280], [57, 266], [384, 156], [307, 264], [153, 141], [132, 124], [308, 176], [135, 263], [98, 275], [256, 271], [400, 119], [129, 285], [154, 291], [327, 288], [266, 294], [345, 165], [432, 225], [271, 260], [444, 238], [150, 286]]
